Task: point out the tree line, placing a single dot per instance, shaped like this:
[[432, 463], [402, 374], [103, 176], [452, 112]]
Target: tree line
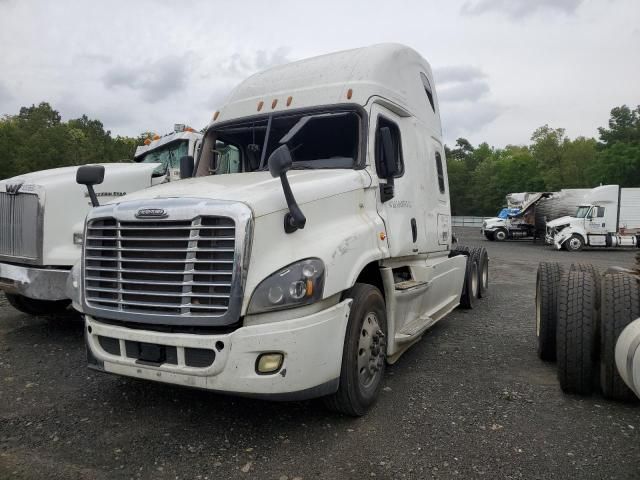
[[479, 177]]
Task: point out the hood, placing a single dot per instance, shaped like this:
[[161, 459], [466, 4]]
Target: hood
[[259, 190], [59, 176], [560, 221], [494, 220]]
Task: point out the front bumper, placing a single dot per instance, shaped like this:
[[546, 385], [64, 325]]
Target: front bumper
[[31, 282], [312, 348]]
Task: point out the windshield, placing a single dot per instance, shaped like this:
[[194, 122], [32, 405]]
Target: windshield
[[316, 141], [168, 155], [582, 211]]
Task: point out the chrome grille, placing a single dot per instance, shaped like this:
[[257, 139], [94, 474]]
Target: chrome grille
[[19, 224], [160, 267]]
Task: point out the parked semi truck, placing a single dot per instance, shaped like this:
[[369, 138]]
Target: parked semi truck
[[42, 219], [608, 217], [517, 220], [588, 321], [323, 255]]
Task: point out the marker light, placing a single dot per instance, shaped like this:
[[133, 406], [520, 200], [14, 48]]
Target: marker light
[[260, 104], [147, 141], [216, 115], [349, 94], [274, 103], [289, 100], [269, 362]]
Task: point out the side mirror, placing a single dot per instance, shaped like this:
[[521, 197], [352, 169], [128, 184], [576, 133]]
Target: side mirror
[[186, 166], [389, 153], [279, 162], [389, 165], [90, 175]]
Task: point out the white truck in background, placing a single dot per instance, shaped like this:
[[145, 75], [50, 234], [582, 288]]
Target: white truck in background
[[42, 218], [609, 217], [312, 247]]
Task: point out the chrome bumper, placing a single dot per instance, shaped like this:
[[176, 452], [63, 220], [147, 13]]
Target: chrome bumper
[[38, 283]]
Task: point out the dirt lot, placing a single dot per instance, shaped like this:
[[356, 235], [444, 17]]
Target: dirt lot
[[470, 400]]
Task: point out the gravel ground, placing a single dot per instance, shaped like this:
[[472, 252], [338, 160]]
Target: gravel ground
[[470, 400]]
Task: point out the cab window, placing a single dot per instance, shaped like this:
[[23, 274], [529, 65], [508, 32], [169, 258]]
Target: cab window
[[397, 146]]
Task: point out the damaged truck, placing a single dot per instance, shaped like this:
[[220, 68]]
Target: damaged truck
[[321, 256], [42, 219]]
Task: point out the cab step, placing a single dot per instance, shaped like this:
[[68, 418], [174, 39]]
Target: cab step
[[414, 329]]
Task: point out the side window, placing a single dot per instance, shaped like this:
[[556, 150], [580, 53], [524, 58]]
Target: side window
[[440, 169], [428, 90], [227, 158], [397, 146], [599, 212]]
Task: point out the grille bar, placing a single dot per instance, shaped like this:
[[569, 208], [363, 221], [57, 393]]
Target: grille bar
[[191, 278], [19, 225]]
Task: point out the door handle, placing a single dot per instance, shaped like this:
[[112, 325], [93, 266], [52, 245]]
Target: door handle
[[414, 230]]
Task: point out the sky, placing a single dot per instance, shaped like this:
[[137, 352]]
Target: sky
[[502, 67]]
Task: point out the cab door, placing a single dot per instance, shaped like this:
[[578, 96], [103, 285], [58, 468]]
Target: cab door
[[402, 213]]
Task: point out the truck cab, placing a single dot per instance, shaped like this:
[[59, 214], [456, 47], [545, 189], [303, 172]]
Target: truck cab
[[312, 246], [42, 219], [609, 217]]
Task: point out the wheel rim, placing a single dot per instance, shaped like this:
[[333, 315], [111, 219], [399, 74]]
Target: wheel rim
[[574, 243], [500, 235], [485, 274], [474, 280], [371, 350]]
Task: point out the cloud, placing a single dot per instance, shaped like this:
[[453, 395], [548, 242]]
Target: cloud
[[466, 91], [5, 94], [155, 81], [460, 119], [517, 9], [242, 64], [457, 73]]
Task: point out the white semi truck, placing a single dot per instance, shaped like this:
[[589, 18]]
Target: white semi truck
[[517, 220], [42, 219], [609, 217], [325, 253]]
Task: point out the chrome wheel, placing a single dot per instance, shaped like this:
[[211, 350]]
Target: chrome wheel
[[371, 351], [485, 274], [500, 235]]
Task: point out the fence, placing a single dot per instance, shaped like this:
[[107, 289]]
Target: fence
[[465, 221]]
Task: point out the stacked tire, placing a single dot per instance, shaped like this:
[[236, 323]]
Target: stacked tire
[[579, 317]]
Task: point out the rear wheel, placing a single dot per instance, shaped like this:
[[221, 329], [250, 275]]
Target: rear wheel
[[363, 356], [33, 306], [480, 254], [620, 306], [575, 335], [547, 282], [500, 235], [471, 284]]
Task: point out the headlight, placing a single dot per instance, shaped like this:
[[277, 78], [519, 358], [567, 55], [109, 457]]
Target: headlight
[[300, 283]]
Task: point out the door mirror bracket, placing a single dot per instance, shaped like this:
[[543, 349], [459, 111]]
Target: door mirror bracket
[[280, 162]]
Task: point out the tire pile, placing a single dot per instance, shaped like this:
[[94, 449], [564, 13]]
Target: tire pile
[[560, 204], [580, 314]]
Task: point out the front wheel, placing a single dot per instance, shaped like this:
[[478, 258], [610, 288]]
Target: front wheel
[[32, 306], [500, 235], [363, 356], [574, 244]]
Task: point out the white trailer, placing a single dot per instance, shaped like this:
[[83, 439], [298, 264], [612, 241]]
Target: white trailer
[[42, 219], [326, 253], [609, 217]]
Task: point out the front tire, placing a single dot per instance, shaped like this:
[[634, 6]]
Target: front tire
[[574, 243], [500, 235], [364, 352], [32, 306]]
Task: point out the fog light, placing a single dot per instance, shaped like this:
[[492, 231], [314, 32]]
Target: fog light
[[78, 238], [269, 362]]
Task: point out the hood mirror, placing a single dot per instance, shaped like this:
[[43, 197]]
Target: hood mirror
[[280, 162], [90, 175]]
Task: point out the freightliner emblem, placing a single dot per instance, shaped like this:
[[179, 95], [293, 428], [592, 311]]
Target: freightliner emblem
[[151, 213], [13, 188]]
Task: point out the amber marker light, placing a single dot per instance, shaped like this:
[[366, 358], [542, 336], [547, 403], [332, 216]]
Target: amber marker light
[[147, 141], [156, 137], [216, 115], [289, 100], [349, 94], [382, 235], [260, 104], [274, 103]]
